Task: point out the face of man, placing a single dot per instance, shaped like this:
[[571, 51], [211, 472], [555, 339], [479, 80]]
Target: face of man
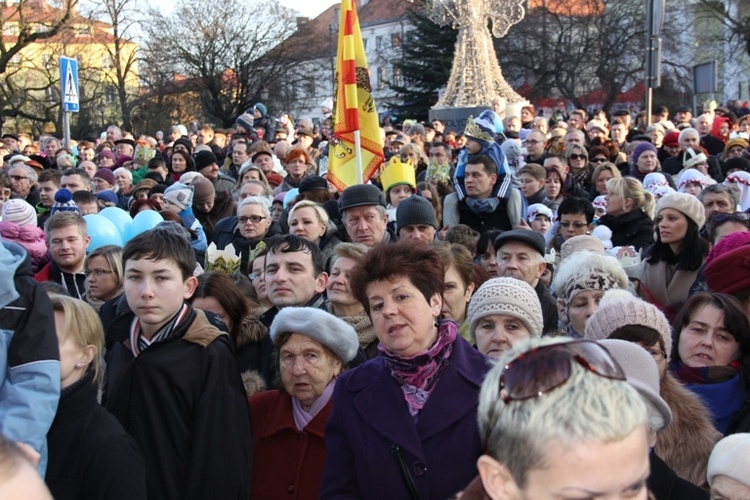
[[535, 143], [704, 125], [714, 203], [113, 134], [518, 260], [88, 208], [557, 164], [10, 143], [619, 133], [20, 182], [477, 182], [683, 117], [124, 149], [67, 247], [574, 137], [291, 279], [50, 147], [174, 134], [204, 137], [47, 191], [439, 155], [74, 183], [575, 121], [210, 172], [365, 225], [239, 153], [690, 140], [417, 232], [530, 185]]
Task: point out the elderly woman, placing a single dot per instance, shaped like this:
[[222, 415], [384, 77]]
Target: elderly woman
[[459, 284], [671, 264], [630, 210], [248, 171], [502, 312], [104, 277], [644, 160], [580, 282], [90, 454], [245, 230], [416, 154], [711, 355], [312, 348], [686, 444], [577, 159], [341, 300], [309, 220], [541, 437], [396, 415]]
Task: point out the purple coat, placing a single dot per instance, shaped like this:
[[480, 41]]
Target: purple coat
[[370, 415]]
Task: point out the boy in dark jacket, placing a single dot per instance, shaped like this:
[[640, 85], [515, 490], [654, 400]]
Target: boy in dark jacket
[[174, 384]]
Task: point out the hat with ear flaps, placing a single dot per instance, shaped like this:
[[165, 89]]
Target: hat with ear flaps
[[397, 173]]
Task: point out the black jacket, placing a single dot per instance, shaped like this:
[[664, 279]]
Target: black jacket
[[90, 454], [665, 484], [549, 308], [183, 402], [633, 228]]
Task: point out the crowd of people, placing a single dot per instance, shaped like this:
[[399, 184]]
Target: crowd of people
[[529, 307]]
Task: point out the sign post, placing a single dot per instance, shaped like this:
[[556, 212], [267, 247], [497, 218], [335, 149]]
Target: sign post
[[69, 93]]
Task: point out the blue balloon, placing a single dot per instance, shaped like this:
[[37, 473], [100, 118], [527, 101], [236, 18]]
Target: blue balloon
[[101, 231], [120, 218], [290, 196], [143, 221]]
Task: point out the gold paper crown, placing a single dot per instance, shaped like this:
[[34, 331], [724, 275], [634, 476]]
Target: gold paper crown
[[398, 172], [226, 261], [472, 130]]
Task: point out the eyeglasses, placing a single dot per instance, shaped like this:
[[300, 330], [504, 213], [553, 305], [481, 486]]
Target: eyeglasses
[[532, 141], [254, 275], [18, 177], [657, 354], [721, 218], [577, 225], [98, 273], [253, 218], [540, 370], [598, 160], [577, 157]]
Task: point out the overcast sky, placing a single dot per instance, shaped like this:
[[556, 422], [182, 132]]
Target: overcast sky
[[309, 8]]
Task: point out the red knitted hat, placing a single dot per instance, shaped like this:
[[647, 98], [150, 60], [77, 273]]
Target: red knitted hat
[[730, 272]]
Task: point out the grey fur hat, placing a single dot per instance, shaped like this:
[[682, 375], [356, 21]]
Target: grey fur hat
[[334, 333]]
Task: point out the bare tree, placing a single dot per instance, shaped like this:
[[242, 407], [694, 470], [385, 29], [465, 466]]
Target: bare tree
[[118, 42], [219, 52]]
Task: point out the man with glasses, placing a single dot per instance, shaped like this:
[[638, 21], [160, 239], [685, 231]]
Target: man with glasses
[[536, 141], [23, 181]]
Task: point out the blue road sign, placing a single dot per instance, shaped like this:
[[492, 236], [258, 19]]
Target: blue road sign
[[69, 84]]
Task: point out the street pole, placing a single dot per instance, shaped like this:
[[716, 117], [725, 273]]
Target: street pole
[[66, 129], [649, 60]]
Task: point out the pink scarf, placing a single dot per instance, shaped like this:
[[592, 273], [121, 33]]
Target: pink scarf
[[303, 417], [418, 374]]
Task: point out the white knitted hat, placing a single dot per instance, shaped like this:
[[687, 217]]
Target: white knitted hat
[[179, 194], [587, 270], [619, 308], [731, 458], [507, 296], [20, 212]]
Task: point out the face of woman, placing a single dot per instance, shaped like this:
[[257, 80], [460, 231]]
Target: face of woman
[[305, 224], [250, 175], [591, 469], [259, 277], [552, 186], [541, 224], [456, 296], [576, 161], [210, 304], [338, 287], [705, 340], [306, 368], [615, 205], [601, 181], [71, 354], [672, 226], [403, 318], [647, 162], [249, 229], [488, 261], [498, 332], [296, 167], [581, 307], [122, 181], [101, 281], [178, 163], [693, 188], [410, 155], [656, 138]]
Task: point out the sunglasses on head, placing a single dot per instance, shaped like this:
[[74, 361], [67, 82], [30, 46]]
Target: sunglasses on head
[[598, 160], [577, 157], [543, 369], [721, 218]]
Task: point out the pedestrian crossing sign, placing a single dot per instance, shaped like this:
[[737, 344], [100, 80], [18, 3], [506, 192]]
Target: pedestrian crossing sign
[[69, 84]]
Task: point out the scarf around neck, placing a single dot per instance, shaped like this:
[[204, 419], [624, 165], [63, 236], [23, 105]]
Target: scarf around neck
[[417, 375], [139, 343], [706, 374], [303, 417]]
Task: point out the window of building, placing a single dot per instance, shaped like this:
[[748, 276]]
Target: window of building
[[83, 30], [382, 77], [397, 76], [396, 39], [107, 62], [379, 43]]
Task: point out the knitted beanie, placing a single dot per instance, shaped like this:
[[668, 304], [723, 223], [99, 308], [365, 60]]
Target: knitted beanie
[[332, 332], [415, 210], [63, 202], [179, 194], [619, 308], [313, 183], [641, 148], [203, 159], [686, 204], [188, 177], [729, 243], [671, 139], [260, 107], [737, 141], [246, 121], [731, 458], [107, 196], [508, 296], [736, 163], [588, 271], [19, 212], [106, 175], [729, 272], [203, 190]]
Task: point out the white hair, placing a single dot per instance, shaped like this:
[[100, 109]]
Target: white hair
[[123, 170], [261, 201]]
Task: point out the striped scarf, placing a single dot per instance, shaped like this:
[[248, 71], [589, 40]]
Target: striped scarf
[[138, 343]]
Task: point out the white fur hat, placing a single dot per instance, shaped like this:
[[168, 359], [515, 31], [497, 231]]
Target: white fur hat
[[731, 458], [334, 333]]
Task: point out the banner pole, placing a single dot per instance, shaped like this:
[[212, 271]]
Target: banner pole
[[358, 151]]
